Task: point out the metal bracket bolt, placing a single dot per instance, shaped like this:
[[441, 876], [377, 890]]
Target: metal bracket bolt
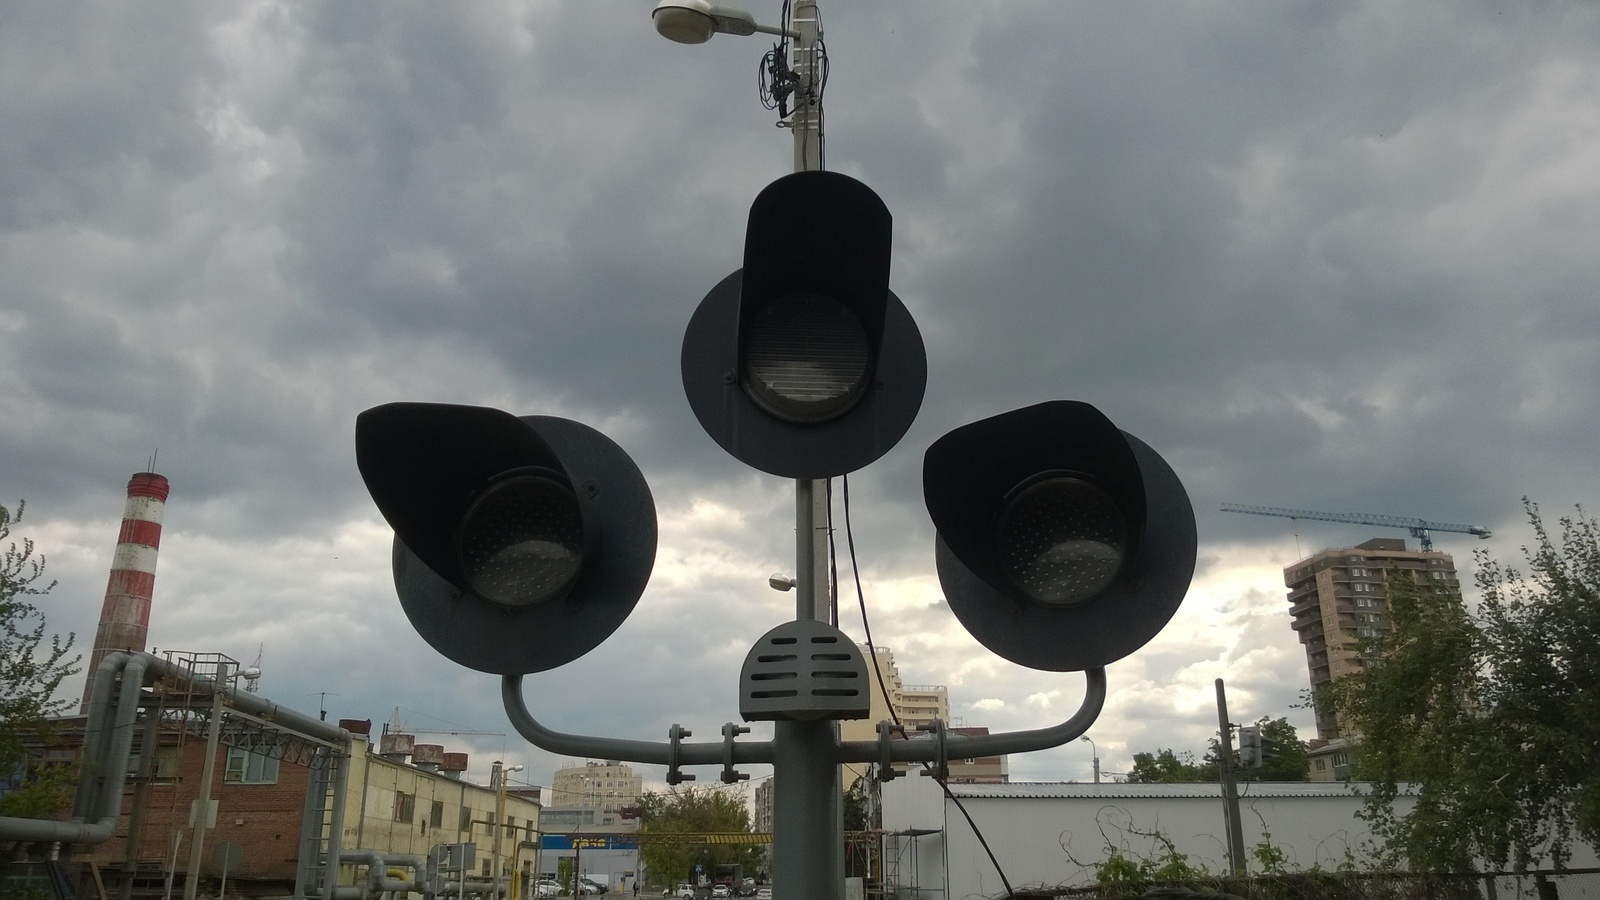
[[675, 736], [729, 732]]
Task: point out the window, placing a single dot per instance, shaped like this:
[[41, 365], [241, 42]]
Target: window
[[436, 815], [405, 807], [1322, 765], [1359, 573], [163, 766], [465, 822], [1361, 587], [248, 767]]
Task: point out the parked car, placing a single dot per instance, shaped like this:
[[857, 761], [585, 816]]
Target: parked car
[[682, 892], [589, 886], [720, 892], [545, 889], [764, 892]]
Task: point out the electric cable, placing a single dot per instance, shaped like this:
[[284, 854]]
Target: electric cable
[[833, 564], [861, 600]]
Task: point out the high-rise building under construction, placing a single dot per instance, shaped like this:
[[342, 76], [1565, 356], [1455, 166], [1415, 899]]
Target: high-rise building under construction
[[1339, 600]]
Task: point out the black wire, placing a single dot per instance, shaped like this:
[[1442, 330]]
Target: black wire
[[861, 600], [777, 83], [833, 564]]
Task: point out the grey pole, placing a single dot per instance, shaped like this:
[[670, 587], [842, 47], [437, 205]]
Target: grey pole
[[191, 881], [1230, 790], [808, 803]]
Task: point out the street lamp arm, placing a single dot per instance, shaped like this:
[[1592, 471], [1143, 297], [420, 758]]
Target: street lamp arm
[[964, 746], [773, 29], [700, 753]]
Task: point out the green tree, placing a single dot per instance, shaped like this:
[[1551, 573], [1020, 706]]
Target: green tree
[[32, 668], [1493, 714], [1166, 767], [857, 817], [691, 811], [1286, 760]]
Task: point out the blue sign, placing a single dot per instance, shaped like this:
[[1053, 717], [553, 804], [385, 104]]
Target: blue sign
[[589, 842]]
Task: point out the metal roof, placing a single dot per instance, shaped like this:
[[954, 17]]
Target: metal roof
[[1046, 790]]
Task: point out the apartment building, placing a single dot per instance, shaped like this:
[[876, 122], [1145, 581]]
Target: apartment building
[[1338, 601], [606, 787]]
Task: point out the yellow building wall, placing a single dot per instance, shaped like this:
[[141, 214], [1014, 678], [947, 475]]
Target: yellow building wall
[[377, 818]]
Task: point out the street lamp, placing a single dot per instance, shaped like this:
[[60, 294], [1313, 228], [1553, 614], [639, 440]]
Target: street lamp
[[695, 21], [1096, 751], [501, 775]]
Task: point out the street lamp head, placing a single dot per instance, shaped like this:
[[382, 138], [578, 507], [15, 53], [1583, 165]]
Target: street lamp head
[[695, 21]]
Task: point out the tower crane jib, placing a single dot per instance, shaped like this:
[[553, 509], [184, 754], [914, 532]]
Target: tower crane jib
[[1421, 529]]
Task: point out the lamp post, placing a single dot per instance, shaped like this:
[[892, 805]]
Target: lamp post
[[500, 775], [1096, 751], [808, 840]]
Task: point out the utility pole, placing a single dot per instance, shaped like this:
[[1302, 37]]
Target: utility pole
[[1230, 789], [202, 807]]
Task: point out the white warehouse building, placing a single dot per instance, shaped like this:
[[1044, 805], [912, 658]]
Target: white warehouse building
[[1053, 834]]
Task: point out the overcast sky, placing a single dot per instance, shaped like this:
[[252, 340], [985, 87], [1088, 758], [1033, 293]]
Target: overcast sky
[[1328, 254]]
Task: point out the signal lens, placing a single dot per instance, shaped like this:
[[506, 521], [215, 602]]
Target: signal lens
[[806, 358], [1062, 540], [521, 541]]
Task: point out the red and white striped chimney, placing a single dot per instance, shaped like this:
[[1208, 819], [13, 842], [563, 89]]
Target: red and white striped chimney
[[125, 617]]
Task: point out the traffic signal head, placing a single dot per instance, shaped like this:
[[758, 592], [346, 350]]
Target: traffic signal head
[[1250, 749], [520, 543], [1063, 542], [803, 363]]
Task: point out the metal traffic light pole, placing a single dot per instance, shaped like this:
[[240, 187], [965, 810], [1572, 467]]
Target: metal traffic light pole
[[522, 542], [808, 798]]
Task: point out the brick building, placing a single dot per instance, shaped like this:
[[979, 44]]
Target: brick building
[[154, 718], [396, 803]]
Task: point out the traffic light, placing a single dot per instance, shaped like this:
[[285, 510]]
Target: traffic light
[[803, 363], [1250, 755], [520, 543], [1063, 542]]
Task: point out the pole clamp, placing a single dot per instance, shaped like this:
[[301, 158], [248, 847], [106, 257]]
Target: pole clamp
[[675, 736], [886, 730], [729, 732], [940, 768]]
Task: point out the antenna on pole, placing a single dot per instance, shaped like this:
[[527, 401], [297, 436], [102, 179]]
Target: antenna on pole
[[322, 703], [252, 674]]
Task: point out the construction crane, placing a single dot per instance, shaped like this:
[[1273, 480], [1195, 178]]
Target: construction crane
[[1421, 529]]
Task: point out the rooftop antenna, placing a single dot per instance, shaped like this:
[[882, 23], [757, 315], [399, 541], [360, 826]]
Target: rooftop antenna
[[322, 702], [252, 674]]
